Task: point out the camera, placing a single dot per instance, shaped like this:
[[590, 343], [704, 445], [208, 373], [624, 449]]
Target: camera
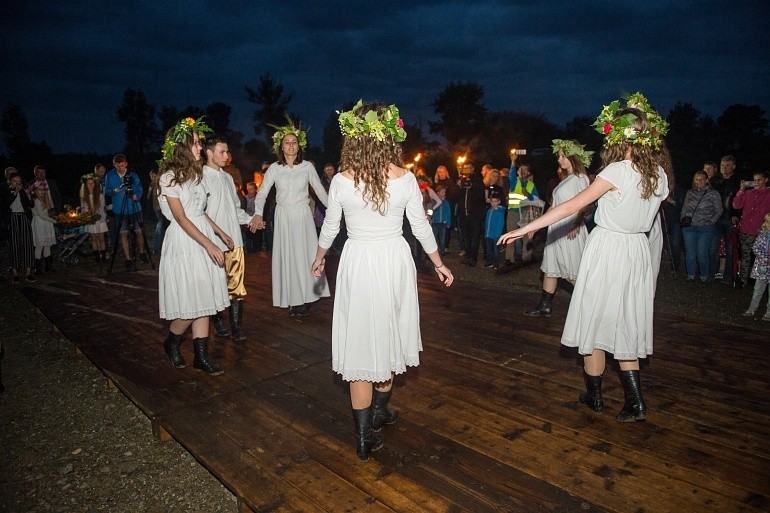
[[127, 182], [465, 181], [750, 183], [518, 152]]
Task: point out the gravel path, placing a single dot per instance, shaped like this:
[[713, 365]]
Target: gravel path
[[69, 443]]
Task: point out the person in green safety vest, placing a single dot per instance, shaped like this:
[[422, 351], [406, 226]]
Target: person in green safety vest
[[521, 186]]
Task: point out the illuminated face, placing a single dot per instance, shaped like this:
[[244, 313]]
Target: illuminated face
[[196, 147], [121, 167], [15, 182], [442, 173], [90, 184], [727, 168], [524, 173], [760, 182], [709, 170], [329, 171], [699, 180], [251, 189], [218, 155], [564, 162], [290, 145]]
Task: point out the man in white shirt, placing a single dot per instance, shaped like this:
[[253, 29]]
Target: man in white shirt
[[224, 208]]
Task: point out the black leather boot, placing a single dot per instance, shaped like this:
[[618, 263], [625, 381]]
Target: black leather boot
[[49, 265], [592, 397], [171, 345], [219, 326], [634, 408], [103, 256], [381, 416], [201, 361], [236, 316], [544, 307], [38, 269], [96, 256], [366, 440]]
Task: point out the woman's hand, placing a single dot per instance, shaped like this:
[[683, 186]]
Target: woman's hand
[[444, 274], [318, 267], [574, 231], [511, 236], [227, 240], [215, 253], [256, 223]]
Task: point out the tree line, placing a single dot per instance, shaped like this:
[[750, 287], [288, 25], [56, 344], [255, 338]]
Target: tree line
[[463, 126]]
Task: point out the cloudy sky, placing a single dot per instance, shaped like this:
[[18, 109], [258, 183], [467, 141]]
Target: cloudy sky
[[67, 63]]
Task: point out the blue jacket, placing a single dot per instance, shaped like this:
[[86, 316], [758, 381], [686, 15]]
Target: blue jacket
[[443, 214], [494, 222], [112, 182]]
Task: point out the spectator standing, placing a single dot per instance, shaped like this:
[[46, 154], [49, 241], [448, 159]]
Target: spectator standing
[[471, 207], [18, 208], [252, 241], [92, 200], [727, 185], [153, 195], [43, 234], [494, 224], [761, 270], [755, 203], [521, 185], [54, 196], [441, 220], [701, 211], [125, 189]]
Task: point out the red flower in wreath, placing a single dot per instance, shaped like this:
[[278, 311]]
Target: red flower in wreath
[[400, 123], [607, 128]]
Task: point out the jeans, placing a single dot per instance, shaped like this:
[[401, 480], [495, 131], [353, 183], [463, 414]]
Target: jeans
[[160, 231], [698, 255], [759, 290], [674, 232], [723, 228], [440, 231], [746, 242], [493, 252], [472, 227]]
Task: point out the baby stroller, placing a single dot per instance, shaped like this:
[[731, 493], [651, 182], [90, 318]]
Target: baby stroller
[[70, 240]]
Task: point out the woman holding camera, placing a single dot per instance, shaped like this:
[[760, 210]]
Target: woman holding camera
[[702, 209], [18, 207]]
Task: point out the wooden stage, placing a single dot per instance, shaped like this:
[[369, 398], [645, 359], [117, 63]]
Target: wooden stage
[[489, 421]]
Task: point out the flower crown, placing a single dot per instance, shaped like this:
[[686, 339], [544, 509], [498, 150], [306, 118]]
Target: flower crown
[[283, 131], [387, 123], [621, 129], [88, 176], [181, 131], [571, 148]]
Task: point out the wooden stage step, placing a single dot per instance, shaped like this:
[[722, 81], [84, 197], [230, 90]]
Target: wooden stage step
[[490, 420]]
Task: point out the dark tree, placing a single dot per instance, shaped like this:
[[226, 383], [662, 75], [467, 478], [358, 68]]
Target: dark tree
[[273, 105], [460, 111], [142, 133], [332, 139], [687, 140], [23, 154]]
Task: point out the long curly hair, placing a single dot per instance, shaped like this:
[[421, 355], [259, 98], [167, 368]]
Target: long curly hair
[[368, 158], [182, 163], [645, 159]]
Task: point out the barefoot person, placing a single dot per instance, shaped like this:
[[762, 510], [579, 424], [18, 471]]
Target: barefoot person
[[192, 284], [611, 307], [376, 323]]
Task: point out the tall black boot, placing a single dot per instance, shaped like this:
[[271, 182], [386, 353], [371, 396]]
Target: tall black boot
[[49, 264], [95, 254], [202, 362], [592, 397], [219, 326], [171, 345], [103, 255], [38, 269], [236, 316], [366, 440], [544, 307], [634, 408], [381, 416]]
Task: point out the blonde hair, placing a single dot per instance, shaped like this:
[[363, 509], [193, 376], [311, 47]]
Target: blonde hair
[[766, 225], [368, 158]]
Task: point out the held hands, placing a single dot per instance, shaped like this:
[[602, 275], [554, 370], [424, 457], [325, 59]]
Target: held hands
[[256, 223], [215, 253], [572, 233], [318, 267]]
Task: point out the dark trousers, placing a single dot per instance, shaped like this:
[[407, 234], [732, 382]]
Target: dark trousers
[[724, 227], [471, 227]]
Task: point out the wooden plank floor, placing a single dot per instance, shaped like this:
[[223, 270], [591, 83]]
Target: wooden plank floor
[[489, 421]]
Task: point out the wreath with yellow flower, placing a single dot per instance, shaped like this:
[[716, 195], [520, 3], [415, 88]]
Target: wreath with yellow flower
[[621, 129], [181, 131], [570, 148], [283, 131], [388, 123]]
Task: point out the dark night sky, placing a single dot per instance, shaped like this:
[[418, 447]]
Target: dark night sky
[[67, 63]]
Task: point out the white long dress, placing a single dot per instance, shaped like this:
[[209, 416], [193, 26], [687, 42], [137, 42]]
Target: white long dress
[[190, 284], [376, 323], [561, 258], [294, 237], [612, 304], [43, 233], [100, 226]]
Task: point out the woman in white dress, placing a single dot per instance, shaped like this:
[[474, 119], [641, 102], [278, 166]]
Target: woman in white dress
[[611, 307], [566, 238], [192, 283], [92, 200], [295, 237], [376, 323], [43, 233]]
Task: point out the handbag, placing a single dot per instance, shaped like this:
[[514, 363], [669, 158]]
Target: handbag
[[687, 220]]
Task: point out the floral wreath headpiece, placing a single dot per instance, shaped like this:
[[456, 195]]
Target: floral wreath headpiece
[[88, 176], [379, 126], [179, 133], [283, 131], [571, 148], [622, 129]]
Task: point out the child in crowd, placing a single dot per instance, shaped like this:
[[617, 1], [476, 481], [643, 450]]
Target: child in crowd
[[442, 218], [761, 270], [43, 234], [251, 241], [493, 229], [92, 200]]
